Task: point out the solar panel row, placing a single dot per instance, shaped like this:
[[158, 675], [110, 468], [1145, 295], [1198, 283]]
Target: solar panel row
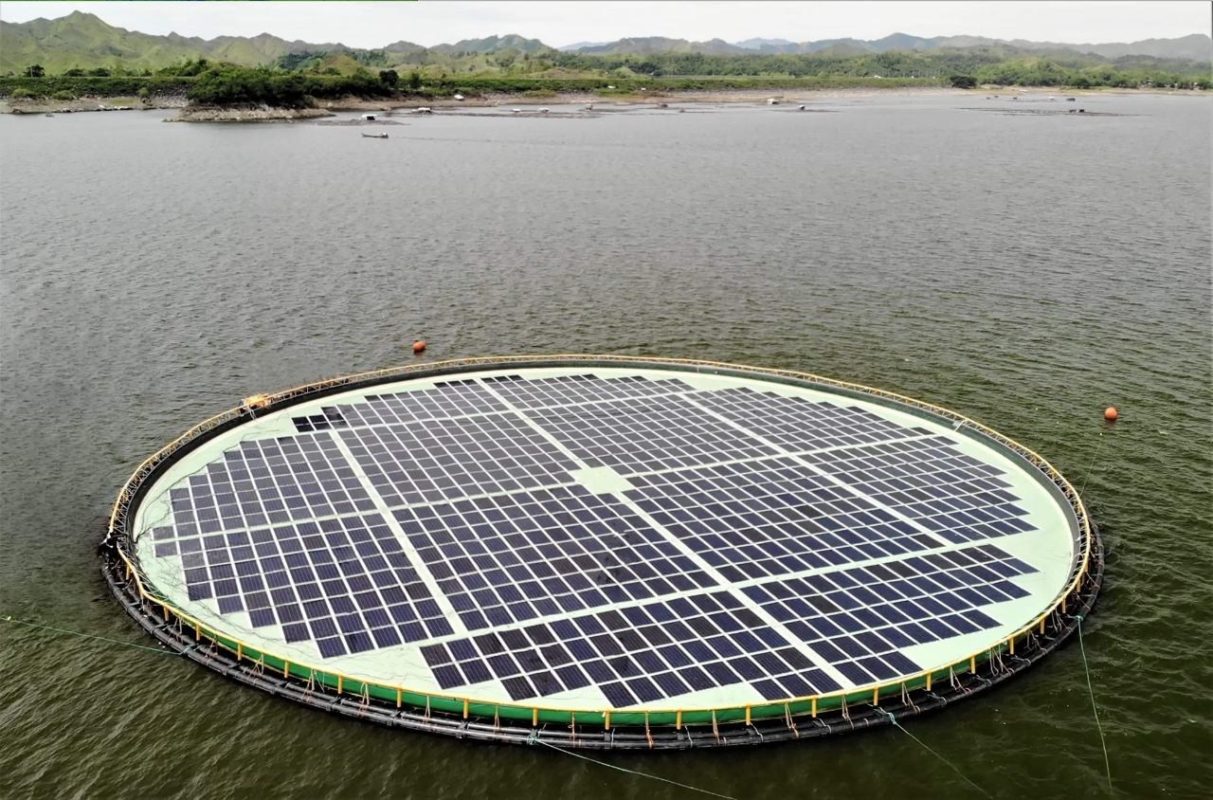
[[568, 389], [344, 583], [797, 424], [512, 558], [269, 481], [635, 655], [772, 517], [564, 588], [450, 458]]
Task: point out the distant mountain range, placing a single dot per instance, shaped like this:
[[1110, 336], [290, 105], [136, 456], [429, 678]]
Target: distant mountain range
[[1196, 47], [86, 41]]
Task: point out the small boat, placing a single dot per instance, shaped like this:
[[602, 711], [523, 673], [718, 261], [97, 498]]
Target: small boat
[[423, 110], [458, 97], [374, 136]]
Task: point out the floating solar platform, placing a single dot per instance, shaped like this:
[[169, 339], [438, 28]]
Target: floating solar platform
[[604, 551]]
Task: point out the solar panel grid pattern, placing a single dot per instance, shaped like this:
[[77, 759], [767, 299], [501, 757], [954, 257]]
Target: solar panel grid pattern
[[646, 434], [771, 517], [447, 399], [859, 619], [448, 458], [567, 389], [637, 654], [562, 588], [343, 583], [932, 483], [513, 558], [797, 424], [269, 481]]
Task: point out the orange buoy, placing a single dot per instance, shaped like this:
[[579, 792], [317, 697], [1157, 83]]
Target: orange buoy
[[419, 346], [1111, 414]]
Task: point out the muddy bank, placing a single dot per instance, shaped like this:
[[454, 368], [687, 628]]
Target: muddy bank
[[248, 114]]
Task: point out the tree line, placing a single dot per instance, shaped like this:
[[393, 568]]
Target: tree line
[[206, 83]]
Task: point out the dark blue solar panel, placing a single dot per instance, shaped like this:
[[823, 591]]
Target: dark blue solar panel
[[282, 532], [931, 482], [789, 520], [445, 400], [798, 424], [540, 552], [627, 665], [352, 608], [925, 610], [570, 389], [665, 432], [447, 459]]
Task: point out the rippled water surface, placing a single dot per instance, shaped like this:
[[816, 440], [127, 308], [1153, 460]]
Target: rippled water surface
[[1025, 269]]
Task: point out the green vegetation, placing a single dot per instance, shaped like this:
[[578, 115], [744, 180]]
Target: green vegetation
[[232, 86], [331, 75], [994, 65]]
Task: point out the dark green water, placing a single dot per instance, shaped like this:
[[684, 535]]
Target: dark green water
[[1025, 269]]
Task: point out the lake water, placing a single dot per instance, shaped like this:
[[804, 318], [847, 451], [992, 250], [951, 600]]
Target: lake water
[[1026, 269]]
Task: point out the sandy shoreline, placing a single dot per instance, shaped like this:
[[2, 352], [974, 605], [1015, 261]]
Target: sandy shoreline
[[500, 99]]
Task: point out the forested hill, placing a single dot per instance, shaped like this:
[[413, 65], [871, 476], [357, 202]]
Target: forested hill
[[85, 41]]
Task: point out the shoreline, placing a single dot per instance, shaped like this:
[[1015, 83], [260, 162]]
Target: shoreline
[[328, 108]]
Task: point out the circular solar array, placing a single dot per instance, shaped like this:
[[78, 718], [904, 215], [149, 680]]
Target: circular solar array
[[605, 537]]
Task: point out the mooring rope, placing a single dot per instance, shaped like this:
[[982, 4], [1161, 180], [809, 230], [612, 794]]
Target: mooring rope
[[893, 721], [1091, 689], [1087, 478], [536, 740], [37, 625]]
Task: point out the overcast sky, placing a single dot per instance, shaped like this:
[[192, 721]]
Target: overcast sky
[[430, 22]]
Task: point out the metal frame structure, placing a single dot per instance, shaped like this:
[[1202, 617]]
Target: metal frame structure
[[468, 717]]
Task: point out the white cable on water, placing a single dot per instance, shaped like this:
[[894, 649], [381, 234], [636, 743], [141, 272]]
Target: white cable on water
[[1087, 477], [537, 740], [1102, 742], [36, 625], [893, 721]]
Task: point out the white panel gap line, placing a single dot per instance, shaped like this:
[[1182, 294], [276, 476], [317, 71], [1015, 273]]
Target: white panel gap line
[[423, 571]]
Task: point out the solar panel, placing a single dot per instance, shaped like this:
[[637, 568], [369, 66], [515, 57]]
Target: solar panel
[[447, 399], [638, 654], [636, 537], [566, 390], [266, 482], [772, 517], [447, 458], [932, 483], [516, 557], [797, 424], [644, 435], [344, 583]]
